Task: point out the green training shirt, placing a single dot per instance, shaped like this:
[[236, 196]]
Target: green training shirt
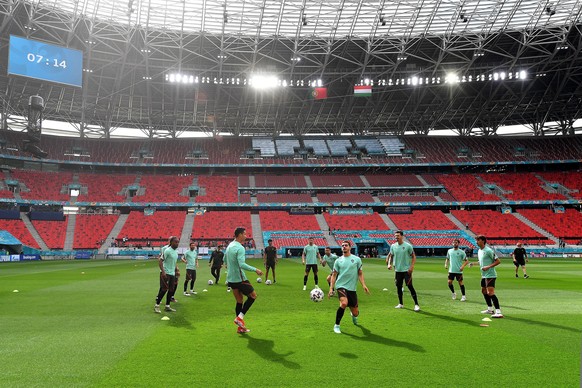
[[191, 257], [487, 257], [402, 256], [330, 260], [235, 261], [456, 258], [170, 257], [310, 254], [347, 269]]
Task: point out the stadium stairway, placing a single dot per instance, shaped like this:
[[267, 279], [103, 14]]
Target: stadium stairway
[[308, 181], [497, 193], [331, 242], [187, 230], [252, 181], [388, 221], [114, 233], [535, 227], [563, 192], [421, 179], [70, 234], [366, 183], [257, 231], [459, 224], [33, 232]]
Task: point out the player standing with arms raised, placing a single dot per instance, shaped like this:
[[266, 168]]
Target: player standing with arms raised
[[237, 280], [347, 270], [458, 260], [404, 259]]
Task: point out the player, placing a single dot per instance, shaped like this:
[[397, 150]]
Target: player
[[458, 260], [347, 270], [191, 260], [404, 260], [519, 259], [237, 280], [309, 258], [487, 262], [329, 260], [270, 260], [167, 263], [216, 262]]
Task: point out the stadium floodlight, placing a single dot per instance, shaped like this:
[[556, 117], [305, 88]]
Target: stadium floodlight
[[452, 78], [263, 82], [522, 74]]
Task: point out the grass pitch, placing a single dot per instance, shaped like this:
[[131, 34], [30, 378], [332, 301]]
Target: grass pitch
[[91, 323]]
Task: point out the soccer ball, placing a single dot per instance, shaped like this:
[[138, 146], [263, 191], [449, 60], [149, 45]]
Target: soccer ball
[[210, 282], [316, 295], [268, 282], [259, 280]]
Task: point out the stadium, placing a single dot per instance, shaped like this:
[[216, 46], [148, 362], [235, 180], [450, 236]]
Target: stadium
[[125, 123]]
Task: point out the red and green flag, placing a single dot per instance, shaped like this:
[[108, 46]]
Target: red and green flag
[[362, 91], [319, 93]]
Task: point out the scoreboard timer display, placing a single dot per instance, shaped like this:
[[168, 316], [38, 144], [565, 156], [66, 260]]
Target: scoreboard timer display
[[48, 62]]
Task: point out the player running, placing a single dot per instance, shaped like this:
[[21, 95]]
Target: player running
[[347, 270], [167, 262], [237, 280], [329, 260], [458, 260], [216, 262]]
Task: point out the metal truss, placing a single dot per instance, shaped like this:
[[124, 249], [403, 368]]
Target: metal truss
[[130, 46]]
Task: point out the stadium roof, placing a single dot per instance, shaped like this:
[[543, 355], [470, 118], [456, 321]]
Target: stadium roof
[[468, 66]]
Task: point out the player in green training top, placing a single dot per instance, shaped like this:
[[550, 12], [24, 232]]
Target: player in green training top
[[328, 259], [404, 259], [347, 270], [167, 263], [236, 278], [191, 260], [458, 260], [310, 257], [487, 262]]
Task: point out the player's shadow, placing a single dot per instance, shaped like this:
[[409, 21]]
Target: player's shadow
[[449, 318], [180, 321], [369, 336], [544, 324], [264, 349]]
